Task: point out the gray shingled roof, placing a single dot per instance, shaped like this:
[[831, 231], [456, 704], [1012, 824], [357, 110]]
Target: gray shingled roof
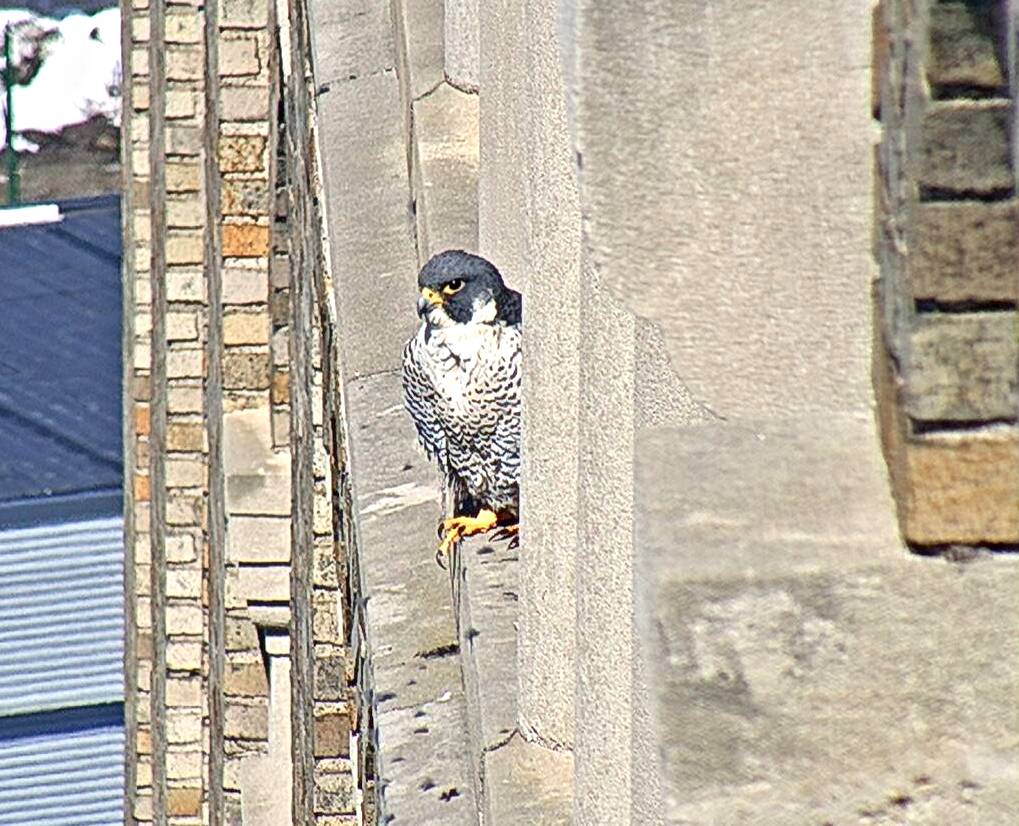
[[60, 362]]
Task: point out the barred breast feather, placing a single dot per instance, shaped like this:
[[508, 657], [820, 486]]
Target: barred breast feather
[[462, 390]]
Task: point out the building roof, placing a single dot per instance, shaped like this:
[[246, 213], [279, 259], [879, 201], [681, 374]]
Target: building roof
[[60, 365]]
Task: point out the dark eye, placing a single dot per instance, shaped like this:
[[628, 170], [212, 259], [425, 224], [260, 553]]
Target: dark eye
[[453, 286]]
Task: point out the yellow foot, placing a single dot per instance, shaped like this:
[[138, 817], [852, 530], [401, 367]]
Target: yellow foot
[[456, 528]]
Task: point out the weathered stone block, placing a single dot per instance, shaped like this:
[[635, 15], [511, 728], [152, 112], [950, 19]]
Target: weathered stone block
[[183, 726], [182, 139], [245, 13], [244, 196], [245, 328], [181, 363], [180, 548], [141, 488], [184, 248], [240, 634], [963, 488], [965, 149], [180, 764], [184, 619], [244, 103], [183, 177], [965, 251], [183, 583], [332, 735], [238, 56], [963, 52], [264, 583], [180, 103], [184, 691], [280, 391], [184, 63], [184, 399], [258, 539], [185, 212], [185, 436], [242, 285], [963, 367], [246, 371], [245, 679], [183, 802], [246, 722], [242, 153], [185, 509], [185, 286], [245, 240], [183, 28], [181, 326]]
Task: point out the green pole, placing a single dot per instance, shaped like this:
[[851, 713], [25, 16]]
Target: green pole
[[12, 156]]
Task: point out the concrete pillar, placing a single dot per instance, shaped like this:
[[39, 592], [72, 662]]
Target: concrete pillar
[[529, 224]]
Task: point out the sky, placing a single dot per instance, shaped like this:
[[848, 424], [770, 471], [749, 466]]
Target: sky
[[80, 75]]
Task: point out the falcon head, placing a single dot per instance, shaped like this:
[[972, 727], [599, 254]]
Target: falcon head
[[460, 288]]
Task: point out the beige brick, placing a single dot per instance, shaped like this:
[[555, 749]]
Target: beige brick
[[280, 392], [181, 364], [183, 139], [184, 802], [181, 103], [184, 691], [183, 28], [142, 356], [244, 103], [184, 619], [183, 177], [238, 56], [242, 153], [141, 487], [245, 679], [245, 13], [143, 773], [180, 548], [185, 286], [245, 240], [332, 735], [181, 326], [139, 131], [185, 436], [184, 63], [185, 473], [246, 722], [245, 328], [183, 582], [183, 765], [240, 635], [140, 28], [140, 60], [184, 400], [184, 509], [184, 656], [244, 286], [184, 248], [963, 488]]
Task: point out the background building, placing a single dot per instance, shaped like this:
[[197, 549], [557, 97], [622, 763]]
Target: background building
[[61, 518], [771, 482]]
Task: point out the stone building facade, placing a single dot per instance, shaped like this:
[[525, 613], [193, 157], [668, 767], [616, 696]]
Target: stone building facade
[[771, 476]]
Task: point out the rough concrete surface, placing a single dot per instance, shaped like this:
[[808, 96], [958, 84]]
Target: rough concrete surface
[[529, 225], [445, 170], [811, 669], [462, 44], [740, 221]]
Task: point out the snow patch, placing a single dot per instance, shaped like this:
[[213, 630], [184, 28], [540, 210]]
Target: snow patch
[[79, 74]]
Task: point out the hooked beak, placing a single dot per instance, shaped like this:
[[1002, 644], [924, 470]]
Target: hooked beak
[[429, 298]]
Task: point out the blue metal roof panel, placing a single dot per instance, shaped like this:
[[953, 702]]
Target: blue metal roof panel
[[60, 365], [61, 616], [63, 768]]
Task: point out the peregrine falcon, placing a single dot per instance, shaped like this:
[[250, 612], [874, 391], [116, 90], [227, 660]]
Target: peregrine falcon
[[461, 381]]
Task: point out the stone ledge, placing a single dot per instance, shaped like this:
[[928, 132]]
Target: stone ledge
[[519, 782], [411, 677]]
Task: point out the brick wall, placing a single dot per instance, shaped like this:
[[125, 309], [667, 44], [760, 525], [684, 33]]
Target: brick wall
[[947, 241], [208, 230]]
